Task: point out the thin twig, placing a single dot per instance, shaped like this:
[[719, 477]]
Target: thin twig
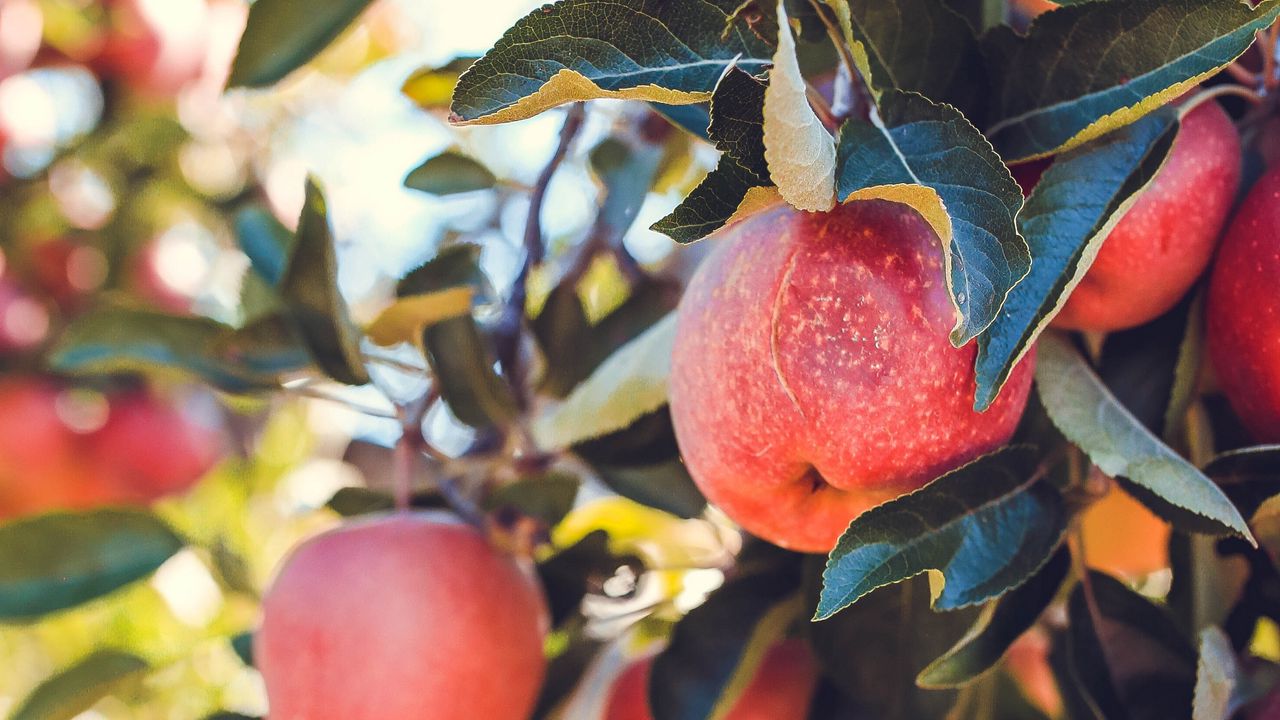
[[314, 393], [1243, 75]]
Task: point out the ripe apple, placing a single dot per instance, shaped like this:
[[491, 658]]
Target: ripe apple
[[781, 689], [812, 375], [1122, 537], [41, 466], [1163, 244], [157, 46], [398, 617], [1027, 661], [1244, 311], [150, 448]]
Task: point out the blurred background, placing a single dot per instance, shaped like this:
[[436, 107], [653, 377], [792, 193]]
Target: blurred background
[[124, 164]]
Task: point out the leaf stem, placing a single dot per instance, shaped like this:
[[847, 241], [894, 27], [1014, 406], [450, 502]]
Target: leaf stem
[[306, 390]]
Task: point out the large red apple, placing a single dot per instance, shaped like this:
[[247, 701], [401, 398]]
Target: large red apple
[[781, 689], [1165, 241], [157, 46], [1244, 311], [812, 375], [402, 617]]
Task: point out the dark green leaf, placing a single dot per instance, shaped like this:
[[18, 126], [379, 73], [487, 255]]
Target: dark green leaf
[[450, 173], [1090, 416], [565, 671], [693, 119], [570, 573], [58, 561], [1140, 365], [267, 243], [720, 643], [1001, 623], [463, 366], [665, 486], [987, 527], [310, 290], [918, 46], [1085, 70], [453, 266], [923, 143], [711, 204], [626, 171], [1249, 476], [582, 49], [1130, 657], [78, 688], [242, 645], [282, 35], [547, 497], [117, 339], [647, 441], [1076, 203]]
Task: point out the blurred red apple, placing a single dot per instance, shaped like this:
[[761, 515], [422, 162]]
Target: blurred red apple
[[1163, 244], [1244, 311], [156, 46], [781, 689], [812, 374], [398, 617], [67, 270]]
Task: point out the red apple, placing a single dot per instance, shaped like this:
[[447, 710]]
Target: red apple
[[1244, 311], [68, 270], [151, 448], [1165, 241], [781, 689], [402, 617], [157, 46], [812, 375]]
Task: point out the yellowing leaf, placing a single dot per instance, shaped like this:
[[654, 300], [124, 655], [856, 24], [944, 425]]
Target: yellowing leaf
[[800, 152], [631, 383], [404, 319]]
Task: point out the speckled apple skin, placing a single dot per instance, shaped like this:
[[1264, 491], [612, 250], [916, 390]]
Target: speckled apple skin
[[1244, 311], [1165, 241], [781, 689], [402, 617], [819, 341]]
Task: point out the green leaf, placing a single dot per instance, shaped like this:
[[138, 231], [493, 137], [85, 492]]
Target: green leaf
[[737, 121], [310, 291], [626, 172], [1077, 202], [573, 50], [567, 575], [1000, 624], [111, 339], [665, 486], [548, 497], [967, 195], [1089, 416], [463, 366], [283, 35], [432, 87], [450, 173], [1140, 365], [78, 688], [920, 46], [801, 154], [1249, 476], [242, 645], [1085, 70], [565, 671], [58, 561], [1129, 658], [716, 648], [404, 320], [631, 383], [1217, 675], [986, 527], [267, 243], [453, 266]]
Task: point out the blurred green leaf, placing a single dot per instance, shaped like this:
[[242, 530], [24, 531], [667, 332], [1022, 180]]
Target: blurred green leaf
[[242, 644], [1090, 68], [78, 688], [1249, 475], [117, 339], [432, 87], [1127, 654], [405, 319], [986, 527], [648, 50], [665, 486], [268, 243], [463, 366], [929, 156], [548, 497], [569, 574], [1077, 202], [1090, 416], [565, 671], [310, 291], [1141, 365], [61, 560], [1217, 675], [631, 383], [1000, 624], [283, 35], [450, 173], [453, 266]]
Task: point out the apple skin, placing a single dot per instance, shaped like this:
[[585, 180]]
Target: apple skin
[[153, 448], [1243, 311], [398, 617], [812, 374], [157, 46], [1164, 243], [781, 689]]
